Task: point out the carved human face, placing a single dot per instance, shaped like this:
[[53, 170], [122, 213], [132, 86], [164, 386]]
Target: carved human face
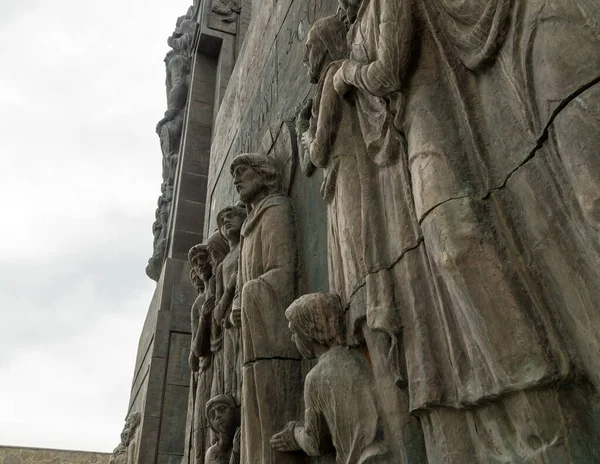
[[202, 263], [248, 183], [231, 225], [303, 343], [314, 57], [222, 418]]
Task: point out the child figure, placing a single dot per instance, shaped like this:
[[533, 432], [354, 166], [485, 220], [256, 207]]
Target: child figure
[[339, 396]]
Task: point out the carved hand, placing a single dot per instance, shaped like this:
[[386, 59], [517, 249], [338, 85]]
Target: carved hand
[[236, 317], [285, 441], [339, 84], [204, 363], [307, 139], [194, 362]]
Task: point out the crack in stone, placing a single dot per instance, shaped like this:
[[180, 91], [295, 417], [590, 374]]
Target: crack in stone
[[538, 146], [420, 241]]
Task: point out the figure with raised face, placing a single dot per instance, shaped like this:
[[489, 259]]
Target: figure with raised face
[[230, 222], [272, 366], [217, 248], [224, 418], [200, 354], [339, 392]]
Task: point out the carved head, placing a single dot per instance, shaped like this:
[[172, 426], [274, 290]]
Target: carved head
[[326, 42], [223, 415], [217, 248], [256, 175], [316, 319], [199, 258], [230, 221], [196, 280]]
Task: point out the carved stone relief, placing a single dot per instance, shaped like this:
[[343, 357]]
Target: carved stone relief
[[227, 9], [458, 146], [169, 129], [125, 452], [230, 222], [224, 418], [340, 402], [267, 285], [428, 94]]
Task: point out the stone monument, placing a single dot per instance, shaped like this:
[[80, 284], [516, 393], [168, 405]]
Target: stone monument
[[425, 288]]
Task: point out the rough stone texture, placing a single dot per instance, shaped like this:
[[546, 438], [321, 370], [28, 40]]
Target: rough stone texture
[[17, 455]]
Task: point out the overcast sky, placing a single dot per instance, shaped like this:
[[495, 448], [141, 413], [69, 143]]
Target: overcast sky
[[81, 90]]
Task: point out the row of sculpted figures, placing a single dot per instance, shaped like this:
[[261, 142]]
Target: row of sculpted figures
[[459, 144]]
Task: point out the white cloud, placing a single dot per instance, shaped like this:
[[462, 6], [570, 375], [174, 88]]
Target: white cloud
[[81, 88]]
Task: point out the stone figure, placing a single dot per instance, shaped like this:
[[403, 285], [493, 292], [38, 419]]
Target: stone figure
[[339, 392], [170, 127], [224, 418], [218, 248], [159, 230], [369, 202], [125, 452], [230, 222], [331, 142], [455, 78], [200, 355], [229, 9], [267, 284]]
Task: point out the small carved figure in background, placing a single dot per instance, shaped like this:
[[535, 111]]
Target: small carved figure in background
[[229, 9], [224, 419], [339, 392]]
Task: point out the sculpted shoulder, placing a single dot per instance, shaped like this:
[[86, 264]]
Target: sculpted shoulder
[[275, 208]]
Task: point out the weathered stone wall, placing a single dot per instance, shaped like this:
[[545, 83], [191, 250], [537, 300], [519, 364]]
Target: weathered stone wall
[[16, 455]]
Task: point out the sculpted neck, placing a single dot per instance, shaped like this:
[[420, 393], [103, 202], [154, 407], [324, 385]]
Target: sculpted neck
[[258, 198], [233, 242]]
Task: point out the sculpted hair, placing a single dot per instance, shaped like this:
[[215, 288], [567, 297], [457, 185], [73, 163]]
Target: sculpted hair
[[265, 166], [320, 317], [221, 399], [239, 210], [218, 245], [197, 254]]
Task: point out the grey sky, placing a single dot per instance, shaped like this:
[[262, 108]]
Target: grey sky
[[81, 89]]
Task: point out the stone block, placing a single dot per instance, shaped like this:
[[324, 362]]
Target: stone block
[[148, 444], [178, 371], [155, 389], [172, 437], [183, 241], [193, 187]]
